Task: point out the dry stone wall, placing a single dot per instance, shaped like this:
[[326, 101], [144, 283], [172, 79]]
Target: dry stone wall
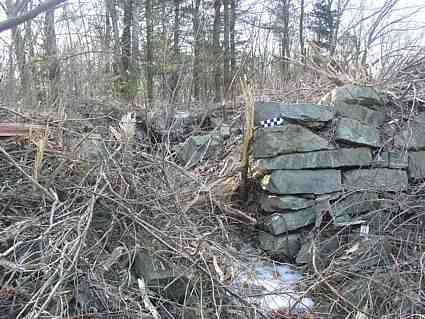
[[329, 158]]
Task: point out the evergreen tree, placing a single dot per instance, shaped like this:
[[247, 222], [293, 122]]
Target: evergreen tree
[[323, 22]]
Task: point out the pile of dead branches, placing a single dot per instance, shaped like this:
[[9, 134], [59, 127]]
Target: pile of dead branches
[[373, 274], [70, 231]]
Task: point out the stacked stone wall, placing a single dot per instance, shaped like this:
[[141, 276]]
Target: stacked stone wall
[[330, 159]]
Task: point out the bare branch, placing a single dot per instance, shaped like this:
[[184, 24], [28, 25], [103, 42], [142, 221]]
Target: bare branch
[[13, 22]]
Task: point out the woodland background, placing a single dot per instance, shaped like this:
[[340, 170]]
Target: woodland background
[[148, 52]]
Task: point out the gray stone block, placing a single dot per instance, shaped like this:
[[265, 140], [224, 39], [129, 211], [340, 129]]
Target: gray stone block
[[287, 245], [382, 179], [266, 110], [269, 142], [354, 204], [396, 160], [199, 147], [281, 223], [354, 132], [353, 94], [289, 182], [416, 165], [324, 251], [273, 203], [411, 138], [344, 157], [360, 113], [312, 115]]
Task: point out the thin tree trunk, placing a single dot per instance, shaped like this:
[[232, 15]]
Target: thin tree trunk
[[27, 75], [164, 51], [18, 44], [135, 46], [107, 41], [341, 7], [176, 51], [226, 63], [149, 51], [217, 51], [11, 96], [126, 48], [52, 52], [285, 40], [233, 6], [196, 50], [301, 32], [111, 7]]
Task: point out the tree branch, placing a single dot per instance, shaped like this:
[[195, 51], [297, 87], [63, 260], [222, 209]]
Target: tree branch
[[13, 22]]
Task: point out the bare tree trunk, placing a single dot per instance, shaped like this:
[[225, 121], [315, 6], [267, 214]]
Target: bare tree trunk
[[11, 97], [27, 80], [52, 56], [196, 50], [149, 51], [19, 46], [301, 32], [135, 46], [285, 40], [126, 48], [164, 85], [341, 7], [233, 6], [107, 40], [226, 65], [217, 51], [111, 8], [176, 51]]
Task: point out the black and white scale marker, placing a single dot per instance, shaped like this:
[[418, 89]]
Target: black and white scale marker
[[276, 121]]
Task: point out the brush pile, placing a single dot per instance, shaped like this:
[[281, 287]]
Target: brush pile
[[83, 221]]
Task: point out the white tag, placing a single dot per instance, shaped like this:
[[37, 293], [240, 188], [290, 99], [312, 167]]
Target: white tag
[[364, 231]]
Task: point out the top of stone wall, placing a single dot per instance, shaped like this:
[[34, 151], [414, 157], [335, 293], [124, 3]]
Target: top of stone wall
[[352, 94]]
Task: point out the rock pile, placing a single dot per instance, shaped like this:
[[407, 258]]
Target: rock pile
[[328, 158]]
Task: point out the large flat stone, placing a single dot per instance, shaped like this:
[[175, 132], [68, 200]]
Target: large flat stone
[[353, 94], [266, 110], [397, 160], [382, 179], [288, 182], [324, 249], [304, 113], [290, 138], [273, 203], [281, 223], [416, 165], [287, 245], [411, 138], [312, 115], [360, 113], [163, 279], [199, 147], [343, 157], [354, 204], [354, 132]]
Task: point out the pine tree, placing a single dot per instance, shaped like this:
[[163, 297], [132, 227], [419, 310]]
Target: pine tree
[[323, 22]]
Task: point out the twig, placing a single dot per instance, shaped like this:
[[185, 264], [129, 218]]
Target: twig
[[148, 303], [37, 184]]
